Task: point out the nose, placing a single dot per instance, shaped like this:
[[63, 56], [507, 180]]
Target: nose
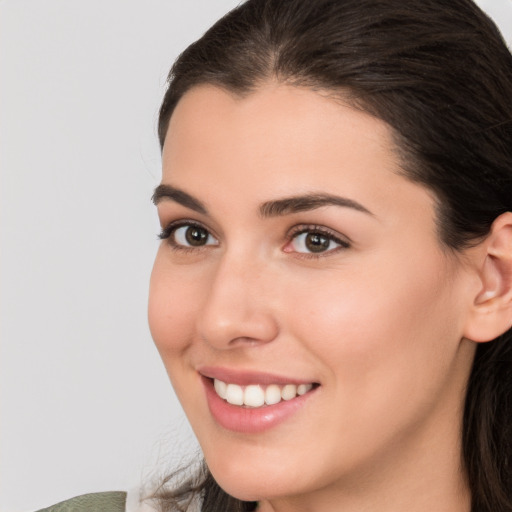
[[237, 310]]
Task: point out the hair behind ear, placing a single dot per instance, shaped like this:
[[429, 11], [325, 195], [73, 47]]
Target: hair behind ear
[[487, 435]]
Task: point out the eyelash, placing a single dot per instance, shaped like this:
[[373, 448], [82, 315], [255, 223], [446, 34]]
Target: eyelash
[[168, 232], [321, 230]]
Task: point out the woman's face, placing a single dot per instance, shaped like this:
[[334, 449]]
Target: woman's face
[[298, 263]]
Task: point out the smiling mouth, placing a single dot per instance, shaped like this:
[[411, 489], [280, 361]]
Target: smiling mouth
[[256, 395]]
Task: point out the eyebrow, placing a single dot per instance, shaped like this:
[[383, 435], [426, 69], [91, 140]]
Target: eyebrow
[[179, 196], [307, 202], [274, 208]]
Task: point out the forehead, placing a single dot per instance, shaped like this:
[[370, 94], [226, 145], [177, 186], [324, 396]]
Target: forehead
[[281, 105], [274, 123], [281, 140]]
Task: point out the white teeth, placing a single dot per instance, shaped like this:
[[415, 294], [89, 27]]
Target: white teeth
[[302, 389], [256, 395], [272, 395], [289, 391], [235, 394], [221, 388]]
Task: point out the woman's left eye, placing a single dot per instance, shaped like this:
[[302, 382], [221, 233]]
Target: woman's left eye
[[314, 241]]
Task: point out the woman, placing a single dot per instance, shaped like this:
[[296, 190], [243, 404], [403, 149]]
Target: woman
[[335, 209], [332, 297]]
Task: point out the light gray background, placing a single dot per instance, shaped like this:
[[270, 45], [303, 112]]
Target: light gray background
[[85, 401]]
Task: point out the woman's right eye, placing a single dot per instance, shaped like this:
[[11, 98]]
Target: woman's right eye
[[188, 236]]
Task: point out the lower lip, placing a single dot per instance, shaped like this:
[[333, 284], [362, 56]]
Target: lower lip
[[249, 420]]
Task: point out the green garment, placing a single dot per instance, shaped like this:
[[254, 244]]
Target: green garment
[[114, 501]]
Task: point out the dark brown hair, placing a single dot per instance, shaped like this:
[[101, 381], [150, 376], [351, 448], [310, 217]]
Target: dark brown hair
[[439, 73]]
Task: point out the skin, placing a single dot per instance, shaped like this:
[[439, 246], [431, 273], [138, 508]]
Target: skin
[[379, 325]]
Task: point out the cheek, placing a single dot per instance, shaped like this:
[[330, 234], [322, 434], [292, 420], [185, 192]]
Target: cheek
[[381, 323], [173, 295], [387, 347]]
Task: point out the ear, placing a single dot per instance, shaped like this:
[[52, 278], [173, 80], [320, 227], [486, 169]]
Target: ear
[[491, 311]]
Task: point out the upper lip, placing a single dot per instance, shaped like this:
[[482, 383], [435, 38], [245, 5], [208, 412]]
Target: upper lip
[[247, 377]]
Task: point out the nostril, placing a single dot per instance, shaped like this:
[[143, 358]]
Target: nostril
[[238, 329]]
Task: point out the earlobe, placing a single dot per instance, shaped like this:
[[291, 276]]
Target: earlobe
[[491, 313]]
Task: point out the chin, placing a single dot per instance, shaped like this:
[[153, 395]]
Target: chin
[[251, 487], [248, 479]]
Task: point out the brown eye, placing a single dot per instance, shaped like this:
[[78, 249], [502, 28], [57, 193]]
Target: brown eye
[[316, 242], [313, 241], [196, 236], [190, 235]]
